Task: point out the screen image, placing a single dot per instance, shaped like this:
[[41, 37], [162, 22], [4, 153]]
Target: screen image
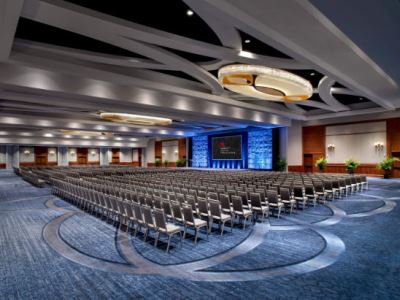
[[227, 148]]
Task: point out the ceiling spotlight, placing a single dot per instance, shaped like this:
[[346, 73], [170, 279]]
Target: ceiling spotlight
[[118, 138], [265, 83], [48, 135], [135, 119], [312, 74], [189, 13], [361, 98], [247, 41], [67, 136]]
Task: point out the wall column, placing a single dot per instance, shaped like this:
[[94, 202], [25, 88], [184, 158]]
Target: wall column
[[12, 156], [62, 159], [104, 157]]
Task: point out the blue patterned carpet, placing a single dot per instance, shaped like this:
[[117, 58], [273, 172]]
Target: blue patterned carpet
[[348, 249]]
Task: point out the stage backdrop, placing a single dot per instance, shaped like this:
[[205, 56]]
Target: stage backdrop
[[234, 149]]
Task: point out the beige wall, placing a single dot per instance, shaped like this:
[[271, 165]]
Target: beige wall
[[356, 141], [93, 155], [28, 158]]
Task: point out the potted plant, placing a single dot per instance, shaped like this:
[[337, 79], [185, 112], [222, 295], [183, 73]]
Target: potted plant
[[166, 162], [281, 164], [157, 162], [351, 165], [181, 163], [321, 163], [386, 165]]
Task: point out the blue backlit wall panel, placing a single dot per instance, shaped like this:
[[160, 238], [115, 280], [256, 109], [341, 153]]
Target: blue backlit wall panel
[[200, 151], [260, 149]]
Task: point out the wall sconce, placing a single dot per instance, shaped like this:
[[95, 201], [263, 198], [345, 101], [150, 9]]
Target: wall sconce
[[27, 152], [163, 152], [72, 152], [52, 152], [379, 146], [93, 152], [331, 147], [176, 151]]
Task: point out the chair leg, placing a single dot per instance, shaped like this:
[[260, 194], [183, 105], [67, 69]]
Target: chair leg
[[184, 231], [279, 211], [222, 228], [156, 238], [195, 237], [169, 241]]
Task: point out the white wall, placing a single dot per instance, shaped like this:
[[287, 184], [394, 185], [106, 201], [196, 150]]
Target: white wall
[[125, 155], [52, 155], [104, 157], [170, 150], [93, 155], [356, 141], [25, 157], [72, 157], [295, 144]]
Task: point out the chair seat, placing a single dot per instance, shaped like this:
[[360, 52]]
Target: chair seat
[[262, 208], [244, 213], [171, 228], [223, 217], [279, 204], [199, 222]]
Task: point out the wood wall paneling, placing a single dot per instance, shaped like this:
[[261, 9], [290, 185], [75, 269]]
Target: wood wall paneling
[[158, 150], [115, 155], [82, 156], [182, 148], [41, 156], [313, 138]]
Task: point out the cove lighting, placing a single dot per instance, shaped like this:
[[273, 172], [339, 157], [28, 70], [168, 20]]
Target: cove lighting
[[134, 119], [68, 133]]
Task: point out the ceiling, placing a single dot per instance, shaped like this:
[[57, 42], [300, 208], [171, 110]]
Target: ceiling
[[64, 62]]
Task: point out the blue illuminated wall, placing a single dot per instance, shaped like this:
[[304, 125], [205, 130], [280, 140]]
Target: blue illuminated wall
[[260, 149], [200, 151], [257, 150]]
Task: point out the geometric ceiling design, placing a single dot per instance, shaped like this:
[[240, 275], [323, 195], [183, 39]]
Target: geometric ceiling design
[[62, 63]]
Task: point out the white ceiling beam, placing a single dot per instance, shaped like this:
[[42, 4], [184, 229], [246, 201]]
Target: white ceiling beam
[[10, 11]]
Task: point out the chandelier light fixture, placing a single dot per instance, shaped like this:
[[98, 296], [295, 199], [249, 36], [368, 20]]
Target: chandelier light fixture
[[85, 133], [134, 119], [265, 83]]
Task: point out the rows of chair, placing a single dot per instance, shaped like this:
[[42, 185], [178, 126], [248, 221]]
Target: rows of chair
[[163, 201]]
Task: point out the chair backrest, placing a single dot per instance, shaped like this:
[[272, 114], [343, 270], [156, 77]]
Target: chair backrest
[[202, 205], [159, 217], [141, 199], [255, 199], [237, 203], [285, 194], [298, 191], [225, 203], [180, 198], [309, 189], [188, 213], [157, 202], [167, 207], [212, 195], [138, 212], [191, 201], [319, 187], [215, 209], [176, 210], [202, 194], [272, 196]]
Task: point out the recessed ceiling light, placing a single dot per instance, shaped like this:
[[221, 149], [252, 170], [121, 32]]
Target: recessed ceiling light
[[67, 136], [48, 135], [135, 119], [312, 74], [361, 98], [247, 41], [189, 13]]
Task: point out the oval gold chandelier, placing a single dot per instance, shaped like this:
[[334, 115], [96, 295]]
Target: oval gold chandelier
[[134, 119], [265, 83]]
